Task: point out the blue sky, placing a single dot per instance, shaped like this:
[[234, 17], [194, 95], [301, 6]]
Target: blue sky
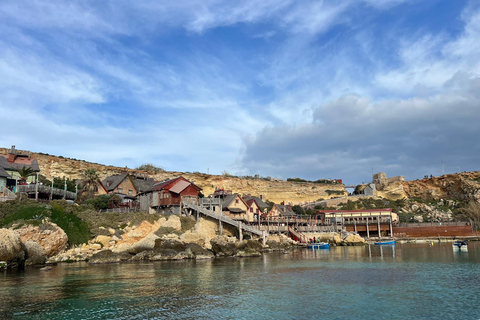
[[310, 89]]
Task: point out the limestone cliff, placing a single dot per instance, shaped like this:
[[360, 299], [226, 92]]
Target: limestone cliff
[[460, 186], [273, 190]]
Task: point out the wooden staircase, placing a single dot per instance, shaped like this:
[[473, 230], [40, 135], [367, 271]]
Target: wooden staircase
[[224, 219]]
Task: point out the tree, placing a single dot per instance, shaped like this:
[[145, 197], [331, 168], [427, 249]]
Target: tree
[[25, 173], [89, 184], [298, 210]]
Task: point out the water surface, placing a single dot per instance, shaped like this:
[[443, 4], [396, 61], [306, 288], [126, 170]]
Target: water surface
[[406, 281]]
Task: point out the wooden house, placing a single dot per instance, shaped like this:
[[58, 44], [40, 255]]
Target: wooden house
[[254, 210], [120, 184], [236, 208], [279, 210], [169, 193], [3, 181], [12, 164]]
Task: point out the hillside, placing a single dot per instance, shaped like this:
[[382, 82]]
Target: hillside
[[274, 190], [459, 186]]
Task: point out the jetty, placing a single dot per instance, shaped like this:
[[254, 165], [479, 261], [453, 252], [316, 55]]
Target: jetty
[[205, 209]]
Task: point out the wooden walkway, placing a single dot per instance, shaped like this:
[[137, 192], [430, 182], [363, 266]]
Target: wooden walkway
[[223, 219]]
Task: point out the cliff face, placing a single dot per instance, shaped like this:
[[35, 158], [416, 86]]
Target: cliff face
[[460, 186], [276, 191]]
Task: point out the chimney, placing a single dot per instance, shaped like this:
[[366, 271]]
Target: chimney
[[11, 155], [261, 197]]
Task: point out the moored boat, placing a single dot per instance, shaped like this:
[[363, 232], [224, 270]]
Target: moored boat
[[460, 245], [381, 243], [319, 245]]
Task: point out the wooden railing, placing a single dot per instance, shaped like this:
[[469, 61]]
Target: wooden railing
[[32, 188], [7, 192], [223, 218]]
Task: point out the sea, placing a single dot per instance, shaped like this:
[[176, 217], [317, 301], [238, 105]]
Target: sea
[[405, 281]]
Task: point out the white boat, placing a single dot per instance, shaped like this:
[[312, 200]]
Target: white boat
[[460, 245]]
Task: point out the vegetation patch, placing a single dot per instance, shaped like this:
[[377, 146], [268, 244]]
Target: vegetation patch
[[187, 223], [162, 231]]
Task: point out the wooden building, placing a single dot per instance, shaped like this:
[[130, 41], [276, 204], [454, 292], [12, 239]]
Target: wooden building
[[169, 193], [12, 164], [279, 210], [236, 208], [254, 209], [121, 184]]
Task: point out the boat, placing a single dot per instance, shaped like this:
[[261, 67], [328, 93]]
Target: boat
[[382, 243], [318, 245], [460, 245]]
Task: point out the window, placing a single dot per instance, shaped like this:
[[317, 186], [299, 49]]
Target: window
[[120, 190], [236, 201], [130, 192], [251, 209]]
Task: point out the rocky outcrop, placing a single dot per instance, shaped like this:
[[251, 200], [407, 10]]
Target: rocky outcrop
[[35, 255], [202, 233], [48, 235], [229, 246], [12, 250], [460, 186], [441, 210], [353, 240]]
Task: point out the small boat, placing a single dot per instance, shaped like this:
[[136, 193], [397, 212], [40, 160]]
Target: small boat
[[460, 245], [319, 245], [382, 243]]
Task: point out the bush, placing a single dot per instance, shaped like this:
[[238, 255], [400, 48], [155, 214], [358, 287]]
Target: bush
[[187, 223], [150, 167], [298, 210], [100, 202]]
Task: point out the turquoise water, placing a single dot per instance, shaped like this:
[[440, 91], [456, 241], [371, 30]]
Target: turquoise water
[[407, 281]]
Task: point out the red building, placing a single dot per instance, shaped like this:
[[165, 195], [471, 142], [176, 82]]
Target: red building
[[169, 193]]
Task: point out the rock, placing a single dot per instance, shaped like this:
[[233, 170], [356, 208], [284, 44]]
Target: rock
[[107, 256], [273, 245], [354, 240], [12, 250], [147, 243], [35, 254], [103, 240], [337, 239], [201, 234], [173, 222], [170, 244], [47, 268], [223, 246], [196, 251], [48, 235], [249, 248]]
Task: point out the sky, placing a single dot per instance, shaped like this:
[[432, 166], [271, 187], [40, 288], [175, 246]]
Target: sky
[[311, 89]]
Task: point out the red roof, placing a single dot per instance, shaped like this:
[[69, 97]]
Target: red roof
[[170, 185]]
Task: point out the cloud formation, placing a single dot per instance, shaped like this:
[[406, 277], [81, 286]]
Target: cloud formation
[[314, 89]]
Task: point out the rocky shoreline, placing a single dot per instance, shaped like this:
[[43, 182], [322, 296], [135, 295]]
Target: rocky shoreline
[[169, 238]]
